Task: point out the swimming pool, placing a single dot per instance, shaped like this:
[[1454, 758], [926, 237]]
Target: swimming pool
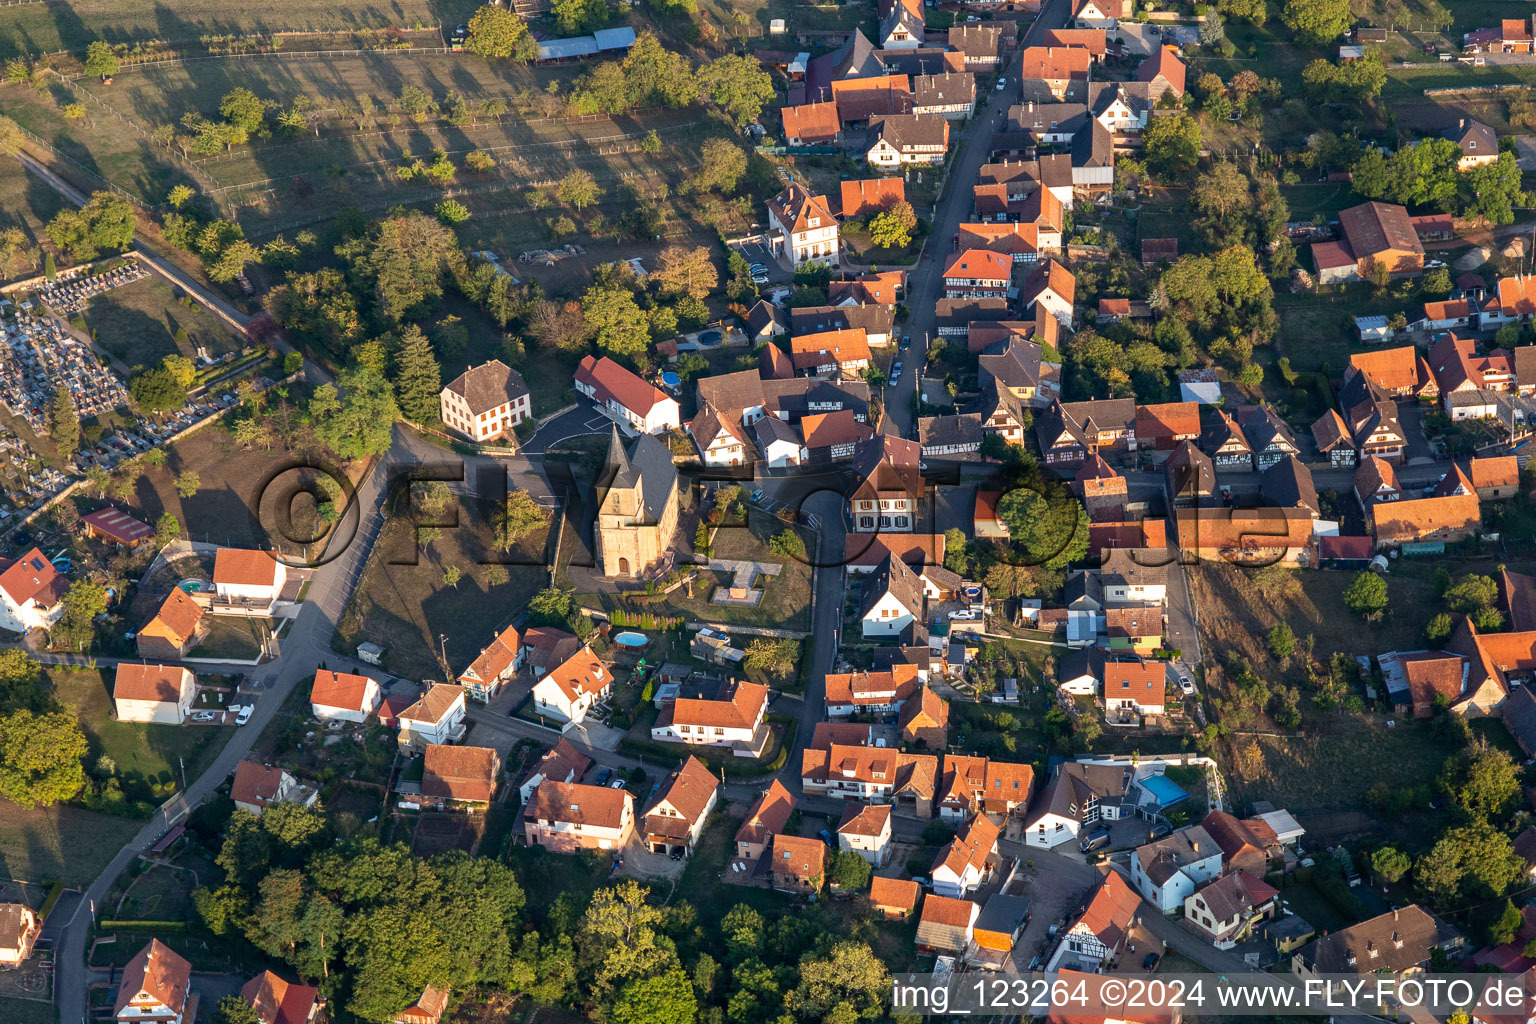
[[631, 639]]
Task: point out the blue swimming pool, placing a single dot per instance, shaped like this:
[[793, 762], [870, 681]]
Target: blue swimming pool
[[631, 639], [1164, 790], [710, 338]]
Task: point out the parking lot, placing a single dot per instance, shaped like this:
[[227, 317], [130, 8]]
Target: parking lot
[[773, 506], [757, 251]]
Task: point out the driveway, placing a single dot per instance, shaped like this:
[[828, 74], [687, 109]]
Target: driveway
[[584, 419]]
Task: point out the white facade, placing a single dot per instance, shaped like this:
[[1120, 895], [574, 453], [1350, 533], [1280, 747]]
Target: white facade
[[724, 449], [553, 701], [887, 618], [18, 618], [160, 712], [885, 515], [817, 244], [875, 849], [782, 452], [448, 729], [457, 415], [1170, 894], [370, 704]]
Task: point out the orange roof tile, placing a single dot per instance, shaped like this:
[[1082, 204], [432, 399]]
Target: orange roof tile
[[811, 122], [578, 804], [581, 673], [805, 859], [872, 195], [1417, 518], [158, 971], [176, 620], [894, 893], [1169, 419], [244, 568], [1054, 63], [768, 814], [341, 690], [255, 783], [1499, 472], [149, 682]]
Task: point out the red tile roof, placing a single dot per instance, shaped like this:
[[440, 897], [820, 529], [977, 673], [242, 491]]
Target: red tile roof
[[33, 578], [610, 380], [118, 525], [460, 773], [1055, 62], [871, 195], [340, 690], [149, 682], [1164, 62], [158, 971], [243, 568], [255, 783], [277, 1001], [811, 122]]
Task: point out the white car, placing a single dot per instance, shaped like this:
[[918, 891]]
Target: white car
[[1187, 685], [245, 714], [968, 614], [616, 784], [203, 716]]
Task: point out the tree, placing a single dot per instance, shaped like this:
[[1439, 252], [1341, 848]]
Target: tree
[[1282, 641], [41, 757], [1171, 144], [1389, 864], [100, 60], [578, 189], [1474, 859], [231, 263], [406, 261], [562, 325], [1316, 22], [418, 378], [575, 17], [1212, 31], [10, 137], [243, 109], [685, 271], [1491, 192], [1366, 594], [496, 31], [361, 414], [738, 85], [770, 656], [551, 607], [188, 483], [1222, 192], [1487, 784], [63, 422], [105, 222], [722, 165], [1472, 592], [787, 544], [1047, 531], [1438, 630], [848, 871], [847, 984], [156, 390], [519, 517], [235, 1010], [167, 529], [892, 228], [621, 326]]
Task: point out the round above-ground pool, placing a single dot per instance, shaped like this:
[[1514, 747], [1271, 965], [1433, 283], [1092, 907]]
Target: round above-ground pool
[[631, 639], [710, 338], [192, 586]]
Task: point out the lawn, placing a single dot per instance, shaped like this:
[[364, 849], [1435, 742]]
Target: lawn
[[142, 322], [234, 638], [26, 202], [163, 893], [1340, 758], [1318, 329], [407, 607], [146, 755], [67, 843], [26, 1011]]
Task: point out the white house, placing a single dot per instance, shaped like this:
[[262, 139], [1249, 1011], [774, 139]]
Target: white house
[[734, 718], [563, 763], [1126, 580], [961, 866], [1169, 870], [1098, 937], [19, 929], [571, 688], [780, 442], [1078, 672], [154, 987], [438, 717], [718, 438], [625, 398], [158, 694], [801, 226], [1078, 796], [893, 600], [257, 785], [485, 401], [31, 593], [495, 664], [1227, 908], [342, 697], [248, 577], [676, 820], [866, 830]]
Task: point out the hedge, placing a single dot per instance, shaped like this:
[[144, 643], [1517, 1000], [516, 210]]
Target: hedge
[[55, 890], [143, 926]]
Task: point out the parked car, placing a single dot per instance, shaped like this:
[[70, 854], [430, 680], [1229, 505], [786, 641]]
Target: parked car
[[245, 714], [1095, 840], [1002, 83], [1150, 962], [616, 784], [203, 716], [825, 836], [1187, 684], [759, 278], [602, 776]]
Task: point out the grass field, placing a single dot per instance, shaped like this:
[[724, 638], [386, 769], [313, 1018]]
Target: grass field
[[27, 1011], [404, 607], [144, 754], [75, 23], [163, 893], [139, 323], [65, 842], [25, 202], [233, 637], [1336, 767]]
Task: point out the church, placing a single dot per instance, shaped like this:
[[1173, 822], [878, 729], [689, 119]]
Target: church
[[638, 514]]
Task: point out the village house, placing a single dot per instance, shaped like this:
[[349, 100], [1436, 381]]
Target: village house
[[343, 697], [1516, 303], [1256, 536], [277, 1001], [156, 986], [1225, 442], [1014, 379], [673, 824], [561, 763], [1495, 478], [1168, 870], [1132, 577], [948, 94], [733, 718], [1374, 234], [1163, 427], [1479, 144], [1164, 73], [979, 43], [1095, 942], [802, 228], [1135, 629], [257, 785], [19, 929], [973, 785], [964, 862], [176, 628], [1288, 484], [876, 692], [946, 925], [1269, 437], [894, 899], [1051, 286], [901, 139], [865, 829], [1133, 687], [765, 819], [570, 689], [950, 437], [1104, 492], [1395, 943], [625, 398], [157, 694], [493, 666], [872, 774], [1228, 908], [812, 124], [117, 526], [892, 602], [1103, 14], [485, 402], [797, 865], [547, 647], [1069, 432], [438, 717], [1189, 477], [464, 776], [719, 439], [867, 196], [1424, 520], [901, 24], [252, 580], [430, 1006], [1059, 72], [977, 273], [888, 486], [997, 932], [925, 721], [1077, 795], [570, 816], [860, 100], [843, 352]]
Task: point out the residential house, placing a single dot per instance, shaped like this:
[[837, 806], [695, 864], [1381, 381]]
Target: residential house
[[901, 24], [1075, 796], [1094, 40], [876, 320], [1242, 847], [1397, 372], [1014, 376], [1288, 484], [833, 436], [1419, 520], [675, 821], [1069, 432], [626, 398], [812, 124], [1375, 480], [1516, 303], [1097, 939], [871, 195], [865, 829], [343, 697], [19, 928], [872, 774], [1165, 426], [1133, 686], [946, 925], [801, 227], [1495, 478], [888, 485], [1376, 233], [561, 763], [257, 785], [1512, 36], [1372, 419], [977, 273], [1479, 144], [1257, 536], [277, 1001], [117, 526], [797, 865], [1395, 943], [437, 718], [547, 647], [570, 816], [954, 317], [485, 402], [430, 1006], [1229, 908], [975, 785], [949, 94], [733, 718], [1518, 713], [720, 439], [1168, 870], [155, 986], [1517, 599], [765, 819], [1269, 437], [1059, 72], [979, 43], [1104, 14], [1225, 442], [1080, 672], [570, 689], [765, 321], [1104, 492], [1131, 577], [892, 602], [1052, 286], [460, 775], [831, 353], [493, 666], [881, 693], [894, 898], [963, 863], [1447, 315], [1164, 72], [901, 139], [925, 721], [639, 507], [252, 579], [863, 553], [1333, 439], [861, 99], [157, 694], [1189, 476], [1137, 629], [997, 932], [883, 288], [950, 437], [176, 628]]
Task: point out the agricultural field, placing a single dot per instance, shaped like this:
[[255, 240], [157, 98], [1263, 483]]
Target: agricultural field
[[142, 322], [25, 202], [65, 842]]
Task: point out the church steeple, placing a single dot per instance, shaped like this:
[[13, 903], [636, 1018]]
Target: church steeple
[[618, 458]]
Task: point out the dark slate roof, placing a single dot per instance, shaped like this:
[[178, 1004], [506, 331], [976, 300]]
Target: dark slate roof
[[650, 462], [942, 431], [893, 576], [489, 385], [1017, 366], [1288, 484], [1093, 146], [763, 314], [872, 317], [1519, 714], [1189, 472], [1401, 939]]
